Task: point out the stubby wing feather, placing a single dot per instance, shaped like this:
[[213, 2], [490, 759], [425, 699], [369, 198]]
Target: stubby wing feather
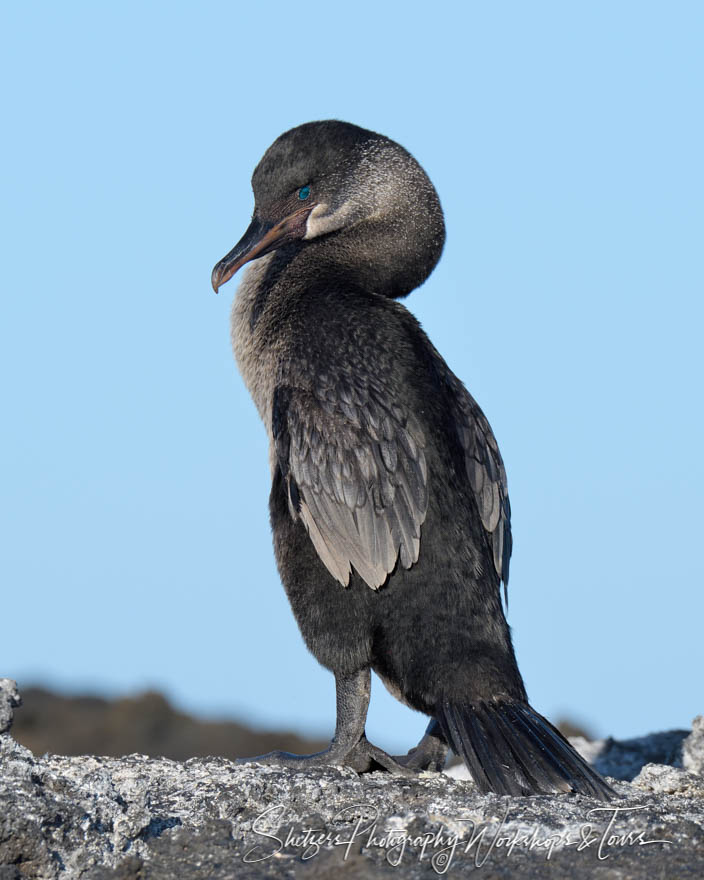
[[487, 476], [354, 466]]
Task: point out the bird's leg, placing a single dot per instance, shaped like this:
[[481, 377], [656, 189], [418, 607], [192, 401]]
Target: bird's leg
[[349, 747], [430, 753]]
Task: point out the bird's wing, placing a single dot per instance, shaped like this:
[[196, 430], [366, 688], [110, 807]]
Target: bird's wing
[[486, 474], [355, 469]]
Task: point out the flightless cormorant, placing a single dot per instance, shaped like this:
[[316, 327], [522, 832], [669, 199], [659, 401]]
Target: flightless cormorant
[[389, 504]]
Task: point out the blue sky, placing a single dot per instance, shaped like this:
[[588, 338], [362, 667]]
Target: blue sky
[[565, 141]]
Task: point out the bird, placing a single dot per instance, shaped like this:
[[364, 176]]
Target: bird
[[389, 505]]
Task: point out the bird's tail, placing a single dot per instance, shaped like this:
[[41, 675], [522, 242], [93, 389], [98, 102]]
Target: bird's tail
[[510, 749]]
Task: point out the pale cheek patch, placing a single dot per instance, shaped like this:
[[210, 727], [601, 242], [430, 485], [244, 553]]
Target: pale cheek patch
[[320, 222]]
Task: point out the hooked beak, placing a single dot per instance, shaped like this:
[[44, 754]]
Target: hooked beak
[[259, 239]]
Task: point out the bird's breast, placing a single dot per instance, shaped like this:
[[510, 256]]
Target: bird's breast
[[257, 354]]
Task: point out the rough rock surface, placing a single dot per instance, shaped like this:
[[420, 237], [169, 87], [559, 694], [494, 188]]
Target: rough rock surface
[[147, 818]]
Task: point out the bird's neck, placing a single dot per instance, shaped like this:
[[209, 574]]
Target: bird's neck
[[285, 297]]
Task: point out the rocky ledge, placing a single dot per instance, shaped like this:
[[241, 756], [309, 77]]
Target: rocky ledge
[[148, 818]]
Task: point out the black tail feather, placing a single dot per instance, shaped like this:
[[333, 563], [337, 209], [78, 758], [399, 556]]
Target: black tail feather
[[510, 749]]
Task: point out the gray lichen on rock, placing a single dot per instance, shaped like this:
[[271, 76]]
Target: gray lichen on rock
[[151, 818], [693, 748], [9, 701]]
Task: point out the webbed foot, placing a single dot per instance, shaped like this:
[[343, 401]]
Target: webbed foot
[[362, 756], [429, 754], [350, 746]]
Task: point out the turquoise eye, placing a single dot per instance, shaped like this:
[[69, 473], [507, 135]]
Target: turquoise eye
[[303, 193]]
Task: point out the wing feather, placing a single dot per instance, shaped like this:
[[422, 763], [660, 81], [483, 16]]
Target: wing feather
[[358, 477], [486, 475], [358, 467]]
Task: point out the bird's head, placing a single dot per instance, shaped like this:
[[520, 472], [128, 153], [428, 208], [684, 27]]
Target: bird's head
[[333, 179]]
